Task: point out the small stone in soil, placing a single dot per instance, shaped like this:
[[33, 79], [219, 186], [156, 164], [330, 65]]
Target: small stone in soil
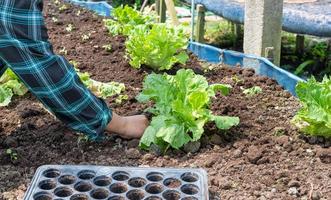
[[237, 153], [133, 143], [324, 155], [254, 154], [316, 195], [133, 153], [293, 191], [216, 139], [294, 183], [192, 147]]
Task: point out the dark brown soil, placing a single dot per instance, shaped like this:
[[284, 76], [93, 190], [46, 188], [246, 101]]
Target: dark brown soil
[[263, 158]]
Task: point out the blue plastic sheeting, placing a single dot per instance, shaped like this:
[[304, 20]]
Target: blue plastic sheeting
[[101, 8], [262, 66], [212, 54], [302, 18]]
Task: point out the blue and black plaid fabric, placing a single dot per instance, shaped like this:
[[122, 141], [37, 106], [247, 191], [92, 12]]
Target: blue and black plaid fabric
[[25, 49]]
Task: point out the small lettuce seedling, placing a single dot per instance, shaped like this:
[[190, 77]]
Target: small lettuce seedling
[[12, 154], [181, 109], [252, 91], [70, 28]]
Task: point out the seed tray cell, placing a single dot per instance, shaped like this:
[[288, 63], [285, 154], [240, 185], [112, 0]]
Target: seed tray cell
[[78, 182]]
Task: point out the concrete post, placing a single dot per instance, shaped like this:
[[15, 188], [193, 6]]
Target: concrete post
[[263, 26], [200, 30]]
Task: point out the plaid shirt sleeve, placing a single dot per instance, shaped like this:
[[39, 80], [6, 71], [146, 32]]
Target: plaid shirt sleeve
[[25, 49]]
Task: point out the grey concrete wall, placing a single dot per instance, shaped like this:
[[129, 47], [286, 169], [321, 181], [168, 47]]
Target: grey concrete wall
[[263, 25]]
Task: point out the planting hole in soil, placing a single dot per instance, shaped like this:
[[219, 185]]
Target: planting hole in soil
[[189, 198], [154, 188], [121, 176], [190, 189], [79, 197], [63, 192], [67, 179], [118, 188], [116, 198], [47, 184], [155, 176], [172, 182], [86, 174], [100, 193], [83, 186], [42, 196], [137, 182], [189, 177], [102, 181], [135, 195], [153, 198], [171, 195], [52, 173]]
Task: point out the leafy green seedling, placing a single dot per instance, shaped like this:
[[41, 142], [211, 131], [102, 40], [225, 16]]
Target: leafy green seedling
[[70, 28], [63, 51], [74, 63], [86, 37], [236, 79], [252, 91], [63, 8], [12, 154], [83, 139], [107, 47]]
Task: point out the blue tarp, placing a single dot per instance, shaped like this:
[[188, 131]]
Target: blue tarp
[[302, 18], [262, 66]]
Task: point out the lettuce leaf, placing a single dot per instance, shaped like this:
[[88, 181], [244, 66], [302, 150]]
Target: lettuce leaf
[[5, 96], [181, 108], [314, 117], [158, 48]]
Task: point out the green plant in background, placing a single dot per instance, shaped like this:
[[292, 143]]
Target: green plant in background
[[159, 47], [181, 108], [252, 91], [319, 54], [126, 18], [10, 85], [314, 118], [12, 154]]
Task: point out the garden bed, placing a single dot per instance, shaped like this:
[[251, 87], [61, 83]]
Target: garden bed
[[262, 158]]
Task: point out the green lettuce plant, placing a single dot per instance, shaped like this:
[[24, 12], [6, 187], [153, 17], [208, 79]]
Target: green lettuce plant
[[10, 85], [314, 117], [181, 108], [158, 48], [125, 19]]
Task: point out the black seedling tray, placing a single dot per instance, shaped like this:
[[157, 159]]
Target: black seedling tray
[[77, 182]]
